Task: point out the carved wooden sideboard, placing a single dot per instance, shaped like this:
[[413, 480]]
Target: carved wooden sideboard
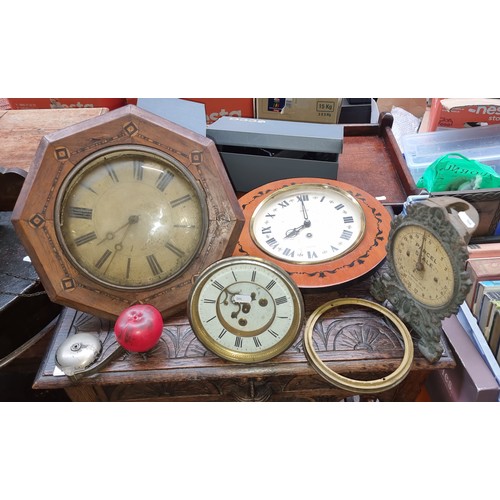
[[179, 369], [357, 343]]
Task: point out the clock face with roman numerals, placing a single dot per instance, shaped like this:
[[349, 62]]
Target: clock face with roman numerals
[[308, 223], [323, 232], [245, 310], [131, 217]]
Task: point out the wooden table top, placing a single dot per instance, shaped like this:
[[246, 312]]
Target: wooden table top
[[355, 342]]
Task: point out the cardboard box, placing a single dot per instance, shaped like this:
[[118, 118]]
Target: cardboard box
[[424, 124], [415, 106], [457, 113], [240, 107], [256, 152], [320, 110], [483, 250], [68, 102]]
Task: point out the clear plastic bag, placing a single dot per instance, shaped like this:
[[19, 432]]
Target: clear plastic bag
[[455, 172]]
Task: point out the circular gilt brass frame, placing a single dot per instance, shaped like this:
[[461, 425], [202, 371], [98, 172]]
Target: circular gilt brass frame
[[352, 385]]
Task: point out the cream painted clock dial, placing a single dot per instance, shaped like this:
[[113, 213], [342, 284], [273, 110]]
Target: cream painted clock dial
[[131, 217], [245, 309]]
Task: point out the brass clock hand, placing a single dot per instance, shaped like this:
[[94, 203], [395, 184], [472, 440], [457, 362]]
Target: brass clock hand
[[133, 219]]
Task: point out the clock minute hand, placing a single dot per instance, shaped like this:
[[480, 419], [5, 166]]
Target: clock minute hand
[[304, 211], [133, 219], [291, 233]]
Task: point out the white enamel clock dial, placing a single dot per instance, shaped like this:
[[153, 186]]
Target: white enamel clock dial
[[308, 223], [245, 309]]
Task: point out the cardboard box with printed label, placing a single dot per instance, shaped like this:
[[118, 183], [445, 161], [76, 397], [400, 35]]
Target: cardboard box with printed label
[[240, 107], [320, 110], [69, 102], [458, 113]]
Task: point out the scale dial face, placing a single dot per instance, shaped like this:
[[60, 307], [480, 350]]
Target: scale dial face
[[423, 266], [308, 223], [131, 217], [245, 309]]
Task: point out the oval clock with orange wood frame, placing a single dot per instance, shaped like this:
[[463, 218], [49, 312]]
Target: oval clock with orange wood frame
[[125, 208], [322, 231]]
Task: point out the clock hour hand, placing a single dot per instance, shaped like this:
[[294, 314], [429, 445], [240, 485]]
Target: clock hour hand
[[291, 233], [133, 219]]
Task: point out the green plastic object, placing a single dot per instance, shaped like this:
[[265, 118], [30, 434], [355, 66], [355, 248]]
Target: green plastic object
[[455, 172]]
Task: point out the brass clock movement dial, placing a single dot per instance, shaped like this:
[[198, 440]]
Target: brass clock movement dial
[[323, 232], [245, 309], [125, 208], [425, 278]]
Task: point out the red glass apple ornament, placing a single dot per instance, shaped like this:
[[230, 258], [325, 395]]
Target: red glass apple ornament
[[138, 328]]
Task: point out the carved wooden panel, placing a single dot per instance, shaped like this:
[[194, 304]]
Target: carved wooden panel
[[355, 342]]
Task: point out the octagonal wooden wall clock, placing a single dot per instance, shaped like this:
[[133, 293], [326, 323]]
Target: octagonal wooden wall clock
[[125, 208]]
